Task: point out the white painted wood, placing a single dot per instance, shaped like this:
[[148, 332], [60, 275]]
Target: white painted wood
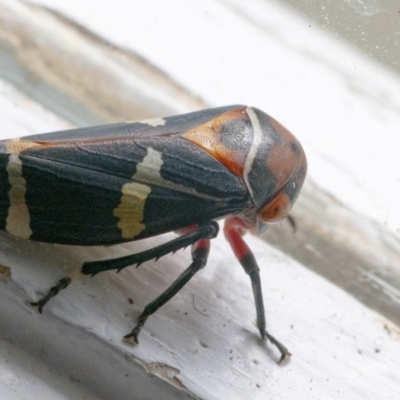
[[345, 110], [204, 340]]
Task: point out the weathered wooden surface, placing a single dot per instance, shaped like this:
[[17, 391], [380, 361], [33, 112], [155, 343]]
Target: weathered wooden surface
[[203, 343]]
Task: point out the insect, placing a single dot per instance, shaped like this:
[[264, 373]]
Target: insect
[[129, 181]]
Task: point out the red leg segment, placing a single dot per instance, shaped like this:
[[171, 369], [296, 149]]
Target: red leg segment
[[234, 229]]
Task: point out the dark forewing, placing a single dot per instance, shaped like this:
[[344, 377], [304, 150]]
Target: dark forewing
[[150, 128], [122, 188]]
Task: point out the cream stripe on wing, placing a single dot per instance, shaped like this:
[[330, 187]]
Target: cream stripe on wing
[[18, 218], [130, 210], [149, 171]]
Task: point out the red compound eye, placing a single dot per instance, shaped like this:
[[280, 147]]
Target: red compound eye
[[276, 210]]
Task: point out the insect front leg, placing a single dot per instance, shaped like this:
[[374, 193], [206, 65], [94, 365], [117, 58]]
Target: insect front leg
[[200, 252], [234, 229]]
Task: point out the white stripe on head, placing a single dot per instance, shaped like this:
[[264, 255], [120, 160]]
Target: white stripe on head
[[257, 139]]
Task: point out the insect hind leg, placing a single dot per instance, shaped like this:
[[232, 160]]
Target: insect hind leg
[[208, 230], [53, 291], [202, 232]]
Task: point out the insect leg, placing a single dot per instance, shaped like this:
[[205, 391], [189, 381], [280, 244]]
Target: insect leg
[[292, 222], [200, 251], [209, 230], [61, 284], [205, 231], [233, 231]]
